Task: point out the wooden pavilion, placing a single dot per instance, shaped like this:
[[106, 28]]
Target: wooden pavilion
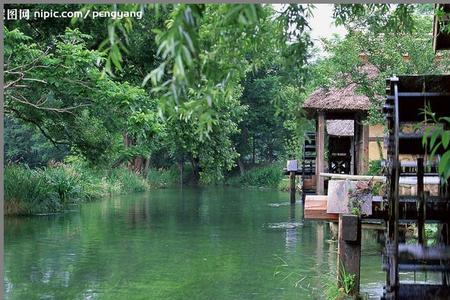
[[339, 113]]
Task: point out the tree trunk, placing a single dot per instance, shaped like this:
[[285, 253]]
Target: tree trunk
[[195, 171], [241, 167], [138, 163], [181, 169], [253, 150], [146, 167]]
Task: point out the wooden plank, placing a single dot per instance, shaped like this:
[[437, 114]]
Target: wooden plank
[[354, 177], [316, 209]]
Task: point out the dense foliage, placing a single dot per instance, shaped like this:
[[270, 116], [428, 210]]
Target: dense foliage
[[198, 92], [79, 88]]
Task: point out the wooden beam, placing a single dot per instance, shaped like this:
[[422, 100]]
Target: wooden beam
[[320, 152], [354, 177]]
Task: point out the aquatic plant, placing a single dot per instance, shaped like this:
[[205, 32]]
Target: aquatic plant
[[26, 192], [53, 188], [346, 280]]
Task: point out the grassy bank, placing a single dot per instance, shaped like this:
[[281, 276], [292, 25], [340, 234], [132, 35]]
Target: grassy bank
[[53, 189]]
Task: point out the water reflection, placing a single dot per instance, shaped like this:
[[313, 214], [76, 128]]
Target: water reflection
[[291, 233], [169, 244]]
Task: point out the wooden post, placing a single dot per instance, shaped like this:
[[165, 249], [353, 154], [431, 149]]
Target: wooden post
[[292, 186], [420, 202], [364, 149], [355, 152], [349, 249], [352, 154], [361, 146], [320, 153]]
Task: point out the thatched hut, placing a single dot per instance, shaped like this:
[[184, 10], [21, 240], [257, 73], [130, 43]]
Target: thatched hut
[[339, 112]]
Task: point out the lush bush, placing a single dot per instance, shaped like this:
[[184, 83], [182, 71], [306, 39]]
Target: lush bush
[[27, 192], [38, 191], [267, 176], [52, 189]]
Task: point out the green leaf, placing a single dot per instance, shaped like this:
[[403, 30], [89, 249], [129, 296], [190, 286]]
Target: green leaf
[[425, 136], [444, 165], [434, 137], [111, 34], [436, 147], [447, 119], [445, 138]]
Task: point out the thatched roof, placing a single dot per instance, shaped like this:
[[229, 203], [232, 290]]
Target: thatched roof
[[340, 127], [342, 99]]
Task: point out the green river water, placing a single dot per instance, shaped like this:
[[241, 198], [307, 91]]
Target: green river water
[[215, 243]]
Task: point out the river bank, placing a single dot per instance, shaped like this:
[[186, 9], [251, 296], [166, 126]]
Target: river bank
[[53, 188]]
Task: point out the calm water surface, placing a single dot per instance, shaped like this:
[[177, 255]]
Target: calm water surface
[[177, 244]]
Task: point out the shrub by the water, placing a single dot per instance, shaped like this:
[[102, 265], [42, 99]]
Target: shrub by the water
[[267, 176], [52, 189], [27, 192]]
